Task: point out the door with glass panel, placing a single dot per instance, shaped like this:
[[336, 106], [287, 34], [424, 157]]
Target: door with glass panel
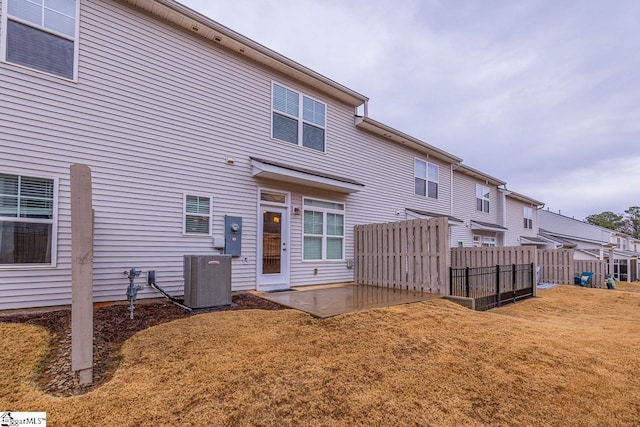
[[273, 251]]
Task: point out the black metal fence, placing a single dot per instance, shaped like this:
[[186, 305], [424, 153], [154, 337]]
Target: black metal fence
[[493, 286]]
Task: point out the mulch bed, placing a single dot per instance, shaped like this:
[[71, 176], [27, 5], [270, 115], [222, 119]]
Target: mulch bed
[[112, 326]]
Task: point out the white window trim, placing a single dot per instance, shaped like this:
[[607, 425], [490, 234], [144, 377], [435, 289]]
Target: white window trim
[[527, 210], [426, 178], [484, 241], [487, 199], [286, 194], [324, 229], [184, 214], [300, 118], [53, 221], [75, 39]]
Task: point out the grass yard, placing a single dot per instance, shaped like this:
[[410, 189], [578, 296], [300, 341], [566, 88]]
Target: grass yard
[[569, 357]]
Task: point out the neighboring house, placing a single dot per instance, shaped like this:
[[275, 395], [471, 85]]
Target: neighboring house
[[183, 122], [478, 205], [591, 242], [521, 219]]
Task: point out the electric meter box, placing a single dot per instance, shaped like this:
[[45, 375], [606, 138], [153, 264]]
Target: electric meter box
[[232, 235]]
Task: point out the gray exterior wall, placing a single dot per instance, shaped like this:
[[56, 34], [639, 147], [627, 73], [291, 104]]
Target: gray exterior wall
[[566, 226], [154, 113], [515, 221], [464, 208]]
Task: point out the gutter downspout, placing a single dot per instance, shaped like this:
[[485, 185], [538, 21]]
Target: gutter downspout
[[450, 202]]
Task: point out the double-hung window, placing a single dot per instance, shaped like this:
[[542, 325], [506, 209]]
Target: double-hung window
[[482, 198], [425, 179], [298, 119], [323, 230], [528, 217], [41, 34], [27, 220], [197, 215]]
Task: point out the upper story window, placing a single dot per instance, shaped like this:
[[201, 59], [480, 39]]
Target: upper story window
[[528, 217], [27, 220], [482, 198], [41, 34], [197, 215], [298, 119], [425, 179], [323, 230]]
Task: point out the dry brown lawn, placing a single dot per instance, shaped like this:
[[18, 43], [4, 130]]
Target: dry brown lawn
[[569, 357]]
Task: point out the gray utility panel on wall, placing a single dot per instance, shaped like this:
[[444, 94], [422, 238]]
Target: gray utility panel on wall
[[232, 235]]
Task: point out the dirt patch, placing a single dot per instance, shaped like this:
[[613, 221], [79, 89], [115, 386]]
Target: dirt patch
[[112, 326]]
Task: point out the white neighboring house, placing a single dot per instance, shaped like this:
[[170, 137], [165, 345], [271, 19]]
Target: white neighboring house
[[477, 203], [591, 242], [521, 219]]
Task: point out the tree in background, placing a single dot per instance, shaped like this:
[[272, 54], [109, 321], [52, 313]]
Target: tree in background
[[608, 220], [632, 221]]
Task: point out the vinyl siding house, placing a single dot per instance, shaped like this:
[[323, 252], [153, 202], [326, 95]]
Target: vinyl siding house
[[184, 123], [478, 205], [591, 242], [521, 220]]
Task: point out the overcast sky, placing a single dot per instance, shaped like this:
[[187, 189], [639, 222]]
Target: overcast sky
[[544, 95]]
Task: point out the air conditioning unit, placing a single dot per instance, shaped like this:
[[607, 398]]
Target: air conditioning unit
[[207, 280]]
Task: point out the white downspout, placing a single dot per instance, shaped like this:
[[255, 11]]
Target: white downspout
[[451, 202]]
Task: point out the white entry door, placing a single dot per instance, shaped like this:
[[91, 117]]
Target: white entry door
[[273, 250]]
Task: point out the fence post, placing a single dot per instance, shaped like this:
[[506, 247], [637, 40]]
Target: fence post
[[513, 283], [450, 280], [534, 284], [498, 285], [466, 280]]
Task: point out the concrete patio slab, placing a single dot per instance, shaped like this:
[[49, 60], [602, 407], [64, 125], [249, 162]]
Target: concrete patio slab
[[328, 301]]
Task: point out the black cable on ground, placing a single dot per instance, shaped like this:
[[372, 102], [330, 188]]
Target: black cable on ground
[[172, 299]]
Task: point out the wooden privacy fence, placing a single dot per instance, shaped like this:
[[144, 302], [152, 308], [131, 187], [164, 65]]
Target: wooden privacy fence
[[406, 255], [489, 257], [558, 266], [597, 267]]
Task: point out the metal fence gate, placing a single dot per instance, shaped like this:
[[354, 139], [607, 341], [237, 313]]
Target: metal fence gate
[[493, 286]]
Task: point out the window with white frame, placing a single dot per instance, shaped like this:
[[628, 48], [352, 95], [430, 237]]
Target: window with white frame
[[323, 230], [41, 34], [425, 179], [297, 118], [482, 198], [483, 241], [197, 215], [27, 220], [528, 217]]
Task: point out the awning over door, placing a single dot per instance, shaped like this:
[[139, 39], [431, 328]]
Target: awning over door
[[485, 226], [281, 172], [417, 213], [529, 240]]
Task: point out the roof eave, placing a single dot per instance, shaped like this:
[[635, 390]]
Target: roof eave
[[523, 198], [400, 138], [187, 18], [467, 170]]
